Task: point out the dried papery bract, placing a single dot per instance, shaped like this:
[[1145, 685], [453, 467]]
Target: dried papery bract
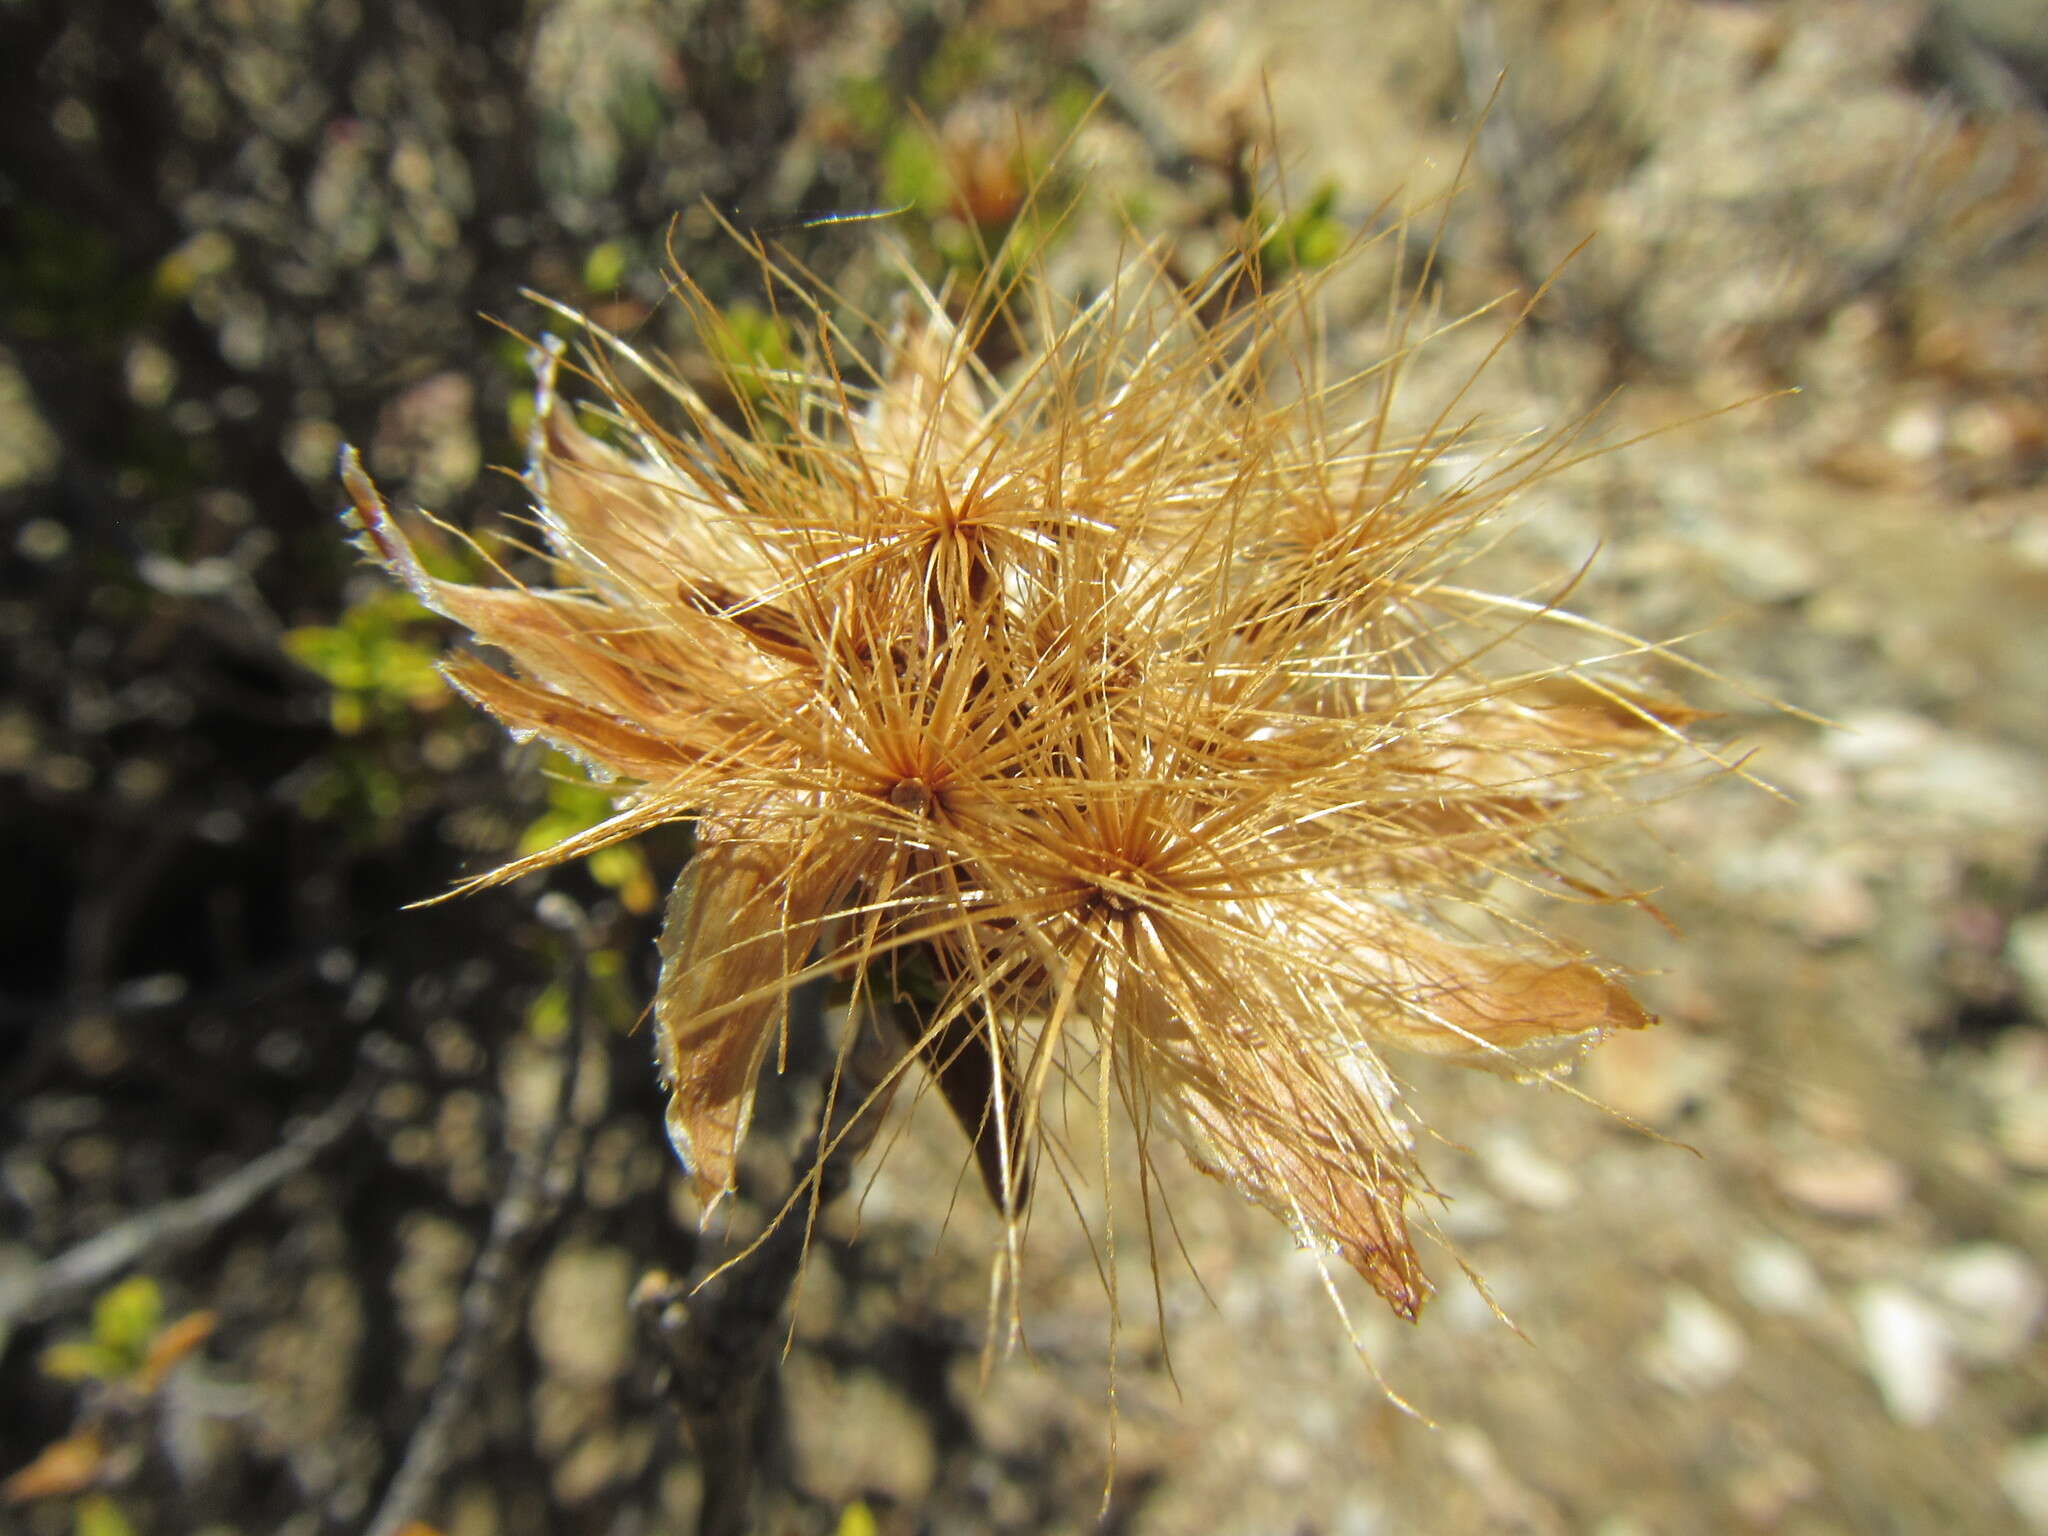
[[1120, 718]]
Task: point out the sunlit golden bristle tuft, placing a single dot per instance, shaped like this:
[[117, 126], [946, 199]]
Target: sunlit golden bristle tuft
[[1121, 716]]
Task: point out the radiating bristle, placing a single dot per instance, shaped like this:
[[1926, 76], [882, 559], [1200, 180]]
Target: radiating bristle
[[1119, 705]]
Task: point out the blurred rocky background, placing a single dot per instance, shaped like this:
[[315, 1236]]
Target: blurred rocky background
[[282, 1162]]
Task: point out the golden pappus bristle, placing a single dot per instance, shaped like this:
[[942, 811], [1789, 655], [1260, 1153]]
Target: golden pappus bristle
[[1120, 708]]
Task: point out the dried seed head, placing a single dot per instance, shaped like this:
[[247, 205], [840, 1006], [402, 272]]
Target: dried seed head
[[1119, 713]]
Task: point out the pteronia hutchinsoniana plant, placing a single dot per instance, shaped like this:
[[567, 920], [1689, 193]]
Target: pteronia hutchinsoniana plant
[[1117, 717]]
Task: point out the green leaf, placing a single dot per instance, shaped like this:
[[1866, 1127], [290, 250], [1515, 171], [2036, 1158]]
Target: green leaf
[[548, 1014], [371, 661], [913, 171], [81, 1360], [574, 805], [98, 1515], [751, 344], [127, 1317], [1311, 236], [623, 868], [604, 267]]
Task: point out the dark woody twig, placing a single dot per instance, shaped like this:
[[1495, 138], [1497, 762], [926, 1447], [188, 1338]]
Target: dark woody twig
[[724, 1339], [175, 1223], [542, 1175]]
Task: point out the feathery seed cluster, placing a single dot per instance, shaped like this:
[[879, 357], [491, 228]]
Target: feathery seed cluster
[[1120, 713]]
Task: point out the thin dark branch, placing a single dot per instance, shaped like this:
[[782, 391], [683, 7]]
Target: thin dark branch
[[176, 1223], [542, 1175], [725, 1338]]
